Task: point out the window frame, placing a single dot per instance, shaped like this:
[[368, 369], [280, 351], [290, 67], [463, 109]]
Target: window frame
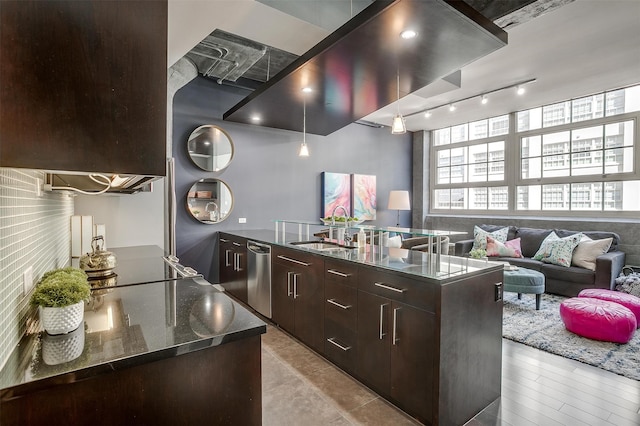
[[513, 168]]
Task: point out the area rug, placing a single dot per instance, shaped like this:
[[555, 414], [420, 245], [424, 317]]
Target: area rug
[[544, 330]]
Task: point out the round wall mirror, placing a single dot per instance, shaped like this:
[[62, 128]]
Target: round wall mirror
[[210, 148], [210, 201]]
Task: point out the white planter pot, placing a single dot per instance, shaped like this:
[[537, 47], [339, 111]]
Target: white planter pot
[[62, 320], [62, 348]]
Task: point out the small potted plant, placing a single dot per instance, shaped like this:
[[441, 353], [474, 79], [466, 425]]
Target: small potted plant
[[478, 253], [61, 294]]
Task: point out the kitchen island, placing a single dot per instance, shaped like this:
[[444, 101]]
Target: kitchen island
[[173, 351], [423, 330]]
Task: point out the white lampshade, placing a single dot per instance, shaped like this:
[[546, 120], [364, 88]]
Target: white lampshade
[[304, 150], [397, 126], [399, 200]]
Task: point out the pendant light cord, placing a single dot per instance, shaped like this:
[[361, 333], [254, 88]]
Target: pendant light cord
[[398, 87], [304, 120]]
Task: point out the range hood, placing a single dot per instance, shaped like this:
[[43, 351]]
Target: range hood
[[354, 71], [79, 183]]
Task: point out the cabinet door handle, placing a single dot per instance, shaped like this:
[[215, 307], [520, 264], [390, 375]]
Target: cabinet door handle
[[236, 244], [224, 240], [387, 287], [341, 274], [227, 262], [238, 261], [382, 333], [293, 260], [333, 342], [289, 283], [295, 286], [339, 305], [395, 323]]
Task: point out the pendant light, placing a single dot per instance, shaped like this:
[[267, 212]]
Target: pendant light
[[397, 126], [304, 149]]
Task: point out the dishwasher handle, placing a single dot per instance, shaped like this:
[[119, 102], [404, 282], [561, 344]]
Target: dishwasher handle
[[258, 248]]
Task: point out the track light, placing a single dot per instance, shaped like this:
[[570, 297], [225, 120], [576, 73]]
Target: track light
[[484, 98]]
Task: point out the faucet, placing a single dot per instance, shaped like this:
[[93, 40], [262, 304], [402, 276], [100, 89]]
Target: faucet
[[333, 214], [347, 236], [212, 213]]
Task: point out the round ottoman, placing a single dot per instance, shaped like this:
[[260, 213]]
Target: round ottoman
[[628, 300], [598, 319], [523, 280]]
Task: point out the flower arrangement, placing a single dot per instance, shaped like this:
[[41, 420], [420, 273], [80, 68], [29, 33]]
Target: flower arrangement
[[478, 253]]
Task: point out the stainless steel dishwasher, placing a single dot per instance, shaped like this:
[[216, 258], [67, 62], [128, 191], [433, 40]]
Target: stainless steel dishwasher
[[259, 277]]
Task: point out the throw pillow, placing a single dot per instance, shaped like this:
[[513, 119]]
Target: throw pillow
[[480, 236], [587, 250], [556, 250], [510, 248], [394, 241]]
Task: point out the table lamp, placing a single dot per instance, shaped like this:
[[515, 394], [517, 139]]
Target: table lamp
[[399, 200]]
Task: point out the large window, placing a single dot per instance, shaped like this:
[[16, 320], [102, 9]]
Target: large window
[[571, 156]]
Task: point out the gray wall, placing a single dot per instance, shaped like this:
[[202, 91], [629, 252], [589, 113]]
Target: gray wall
[[629, 231], [268, 180]]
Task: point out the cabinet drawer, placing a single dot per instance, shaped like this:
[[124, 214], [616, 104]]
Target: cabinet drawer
[[340, 305], [397, 287], [340, 346], [292, 257], [342, 272]]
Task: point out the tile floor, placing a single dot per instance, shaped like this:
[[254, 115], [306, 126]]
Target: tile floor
[[538, 389], [300, 387]]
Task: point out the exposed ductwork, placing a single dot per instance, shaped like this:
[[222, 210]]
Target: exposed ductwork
[[226, 57]]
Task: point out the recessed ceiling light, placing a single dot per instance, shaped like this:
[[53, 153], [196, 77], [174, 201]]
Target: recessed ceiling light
[[408, 34], [520, 90], [307, 89], [255, 118], [452, 107], [427, 114], [484, 100]]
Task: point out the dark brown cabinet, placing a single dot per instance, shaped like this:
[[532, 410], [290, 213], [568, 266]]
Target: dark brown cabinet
[[340, 313], [396, 352], [297, 295], [84, 85], [232, 263]]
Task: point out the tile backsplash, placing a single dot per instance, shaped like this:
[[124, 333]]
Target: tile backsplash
[[34, 231]]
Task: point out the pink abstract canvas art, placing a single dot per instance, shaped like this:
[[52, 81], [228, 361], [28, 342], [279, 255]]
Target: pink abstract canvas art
[[364, 196], [336, 191]]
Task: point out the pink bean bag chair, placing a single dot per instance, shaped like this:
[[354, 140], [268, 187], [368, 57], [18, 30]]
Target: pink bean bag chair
[[628, 300], [598, 319]]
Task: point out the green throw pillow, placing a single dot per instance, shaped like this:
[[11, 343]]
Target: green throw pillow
[[480, 236], [556, 250]]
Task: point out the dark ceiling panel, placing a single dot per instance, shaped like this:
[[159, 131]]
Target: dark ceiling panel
[[353, 71]]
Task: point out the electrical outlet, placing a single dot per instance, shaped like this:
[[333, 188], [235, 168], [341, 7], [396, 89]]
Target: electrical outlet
[[27, 279], [39, 185], [242, 220]]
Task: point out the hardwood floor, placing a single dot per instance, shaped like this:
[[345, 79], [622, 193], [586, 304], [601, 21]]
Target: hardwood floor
[[538, 388]]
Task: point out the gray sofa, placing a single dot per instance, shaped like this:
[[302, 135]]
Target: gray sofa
[[566, 281]]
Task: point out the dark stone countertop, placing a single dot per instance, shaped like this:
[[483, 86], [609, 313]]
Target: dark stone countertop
[[128, 326], [440, 269]]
